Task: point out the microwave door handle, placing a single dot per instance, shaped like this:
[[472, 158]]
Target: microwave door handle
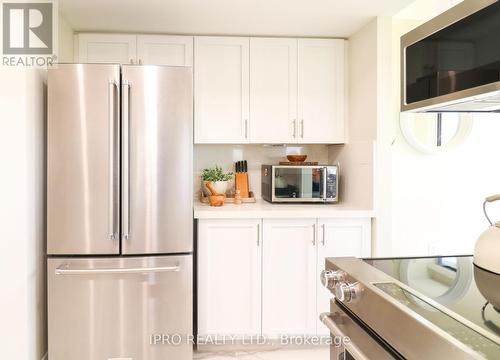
[[325, 176]]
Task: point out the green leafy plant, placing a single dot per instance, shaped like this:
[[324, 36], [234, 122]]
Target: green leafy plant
[[216, 174]]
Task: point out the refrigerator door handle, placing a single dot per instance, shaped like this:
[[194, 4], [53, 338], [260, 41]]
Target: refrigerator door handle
[[113, 201], [125, 156], [66, 270]]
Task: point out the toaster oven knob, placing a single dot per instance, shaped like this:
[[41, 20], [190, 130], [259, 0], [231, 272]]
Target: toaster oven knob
[[330, 278], [346, 292]]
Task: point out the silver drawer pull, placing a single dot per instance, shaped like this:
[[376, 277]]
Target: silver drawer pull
[[65, 270]]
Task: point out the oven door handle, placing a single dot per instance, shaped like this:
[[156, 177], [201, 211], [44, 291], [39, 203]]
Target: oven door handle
[[348, 345], [326, 318]]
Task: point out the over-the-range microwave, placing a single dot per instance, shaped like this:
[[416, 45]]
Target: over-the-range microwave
[[300, 183]]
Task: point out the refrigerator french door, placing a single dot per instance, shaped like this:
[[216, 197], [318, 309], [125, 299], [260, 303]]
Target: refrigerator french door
[[119, 211]]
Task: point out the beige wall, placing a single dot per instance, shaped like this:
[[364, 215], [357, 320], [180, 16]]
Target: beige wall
[[65, 41], [256, 155]]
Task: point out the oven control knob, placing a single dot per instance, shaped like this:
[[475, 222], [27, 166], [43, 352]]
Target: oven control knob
[[346, 292], [330, 278]]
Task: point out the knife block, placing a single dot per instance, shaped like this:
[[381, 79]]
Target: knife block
[[241, 183]]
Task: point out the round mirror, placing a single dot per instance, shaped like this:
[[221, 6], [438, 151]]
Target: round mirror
[[432, 133], [445, 279]]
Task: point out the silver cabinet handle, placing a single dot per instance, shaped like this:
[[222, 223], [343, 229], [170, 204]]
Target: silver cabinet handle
[[126, 157], [113, 193], [314, 235], [258, 234], [302, 128], [246, 128], [65, 270], [294, 128], [323, 242]]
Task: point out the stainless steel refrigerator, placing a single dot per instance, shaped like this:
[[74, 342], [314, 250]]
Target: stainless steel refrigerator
[[119, 212]]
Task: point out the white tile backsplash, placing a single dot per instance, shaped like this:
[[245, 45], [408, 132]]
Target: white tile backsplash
[[256, 155]]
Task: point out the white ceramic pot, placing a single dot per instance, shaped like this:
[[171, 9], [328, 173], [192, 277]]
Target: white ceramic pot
[[486, 260], [219, 186]]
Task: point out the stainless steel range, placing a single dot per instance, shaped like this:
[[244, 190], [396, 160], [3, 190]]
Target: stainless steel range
[[410, 308]]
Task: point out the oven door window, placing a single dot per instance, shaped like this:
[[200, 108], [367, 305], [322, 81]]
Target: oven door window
[[299, 183]]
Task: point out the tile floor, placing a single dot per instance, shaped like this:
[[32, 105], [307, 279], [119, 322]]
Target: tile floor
[[283, 353]]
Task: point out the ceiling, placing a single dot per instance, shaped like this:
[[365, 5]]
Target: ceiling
[[329, 18]]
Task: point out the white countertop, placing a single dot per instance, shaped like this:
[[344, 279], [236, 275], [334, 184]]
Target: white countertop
[[263, 209]]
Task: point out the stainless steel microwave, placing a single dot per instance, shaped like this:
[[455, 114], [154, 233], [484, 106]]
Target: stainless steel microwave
[[452, 62], [297, 183]]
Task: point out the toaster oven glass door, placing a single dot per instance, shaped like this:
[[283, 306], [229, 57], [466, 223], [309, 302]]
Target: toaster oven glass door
[[299, 183]]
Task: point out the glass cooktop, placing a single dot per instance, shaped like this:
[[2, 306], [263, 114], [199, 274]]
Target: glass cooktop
[[453, 283]]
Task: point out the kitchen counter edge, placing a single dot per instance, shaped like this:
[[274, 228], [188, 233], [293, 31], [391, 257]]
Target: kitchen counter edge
[[265, 210]]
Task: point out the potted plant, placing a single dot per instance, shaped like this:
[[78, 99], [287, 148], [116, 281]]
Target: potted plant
[[217, 177]]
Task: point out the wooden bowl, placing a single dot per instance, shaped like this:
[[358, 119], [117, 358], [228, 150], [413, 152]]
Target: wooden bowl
[[217, 200], [296, 158]]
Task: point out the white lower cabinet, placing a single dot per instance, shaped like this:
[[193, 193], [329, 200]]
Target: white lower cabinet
[[255, 279], [288, 282], [229, 277], [338, 238]]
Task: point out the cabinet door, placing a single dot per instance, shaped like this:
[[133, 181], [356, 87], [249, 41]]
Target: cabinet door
[[289, 281], [338, 238], [165, 50], [273, 90], [321, 91], [107, 48], [229, 277], [221, 95]]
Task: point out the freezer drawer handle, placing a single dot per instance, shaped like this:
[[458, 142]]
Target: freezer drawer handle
[[65, 270]]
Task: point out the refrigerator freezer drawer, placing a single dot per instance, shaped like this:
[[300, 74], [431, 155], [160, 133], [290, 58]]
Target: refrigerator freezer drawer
[[118, 308]]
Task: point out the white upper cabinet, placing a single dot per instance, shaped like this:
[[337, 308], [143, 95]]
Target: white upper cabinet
[[273, 90], [289, 277], [229, 277], [321, 91], [165, 50], [106, 48], [221, 89], [135, 49], [246, 90]]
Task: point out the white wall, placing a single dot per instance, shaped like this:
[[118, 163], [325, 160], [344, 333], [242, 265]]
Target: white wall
[[256, 155], [356, 156], [22, 221], [365, 159], [66, 38], [437, 199]]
